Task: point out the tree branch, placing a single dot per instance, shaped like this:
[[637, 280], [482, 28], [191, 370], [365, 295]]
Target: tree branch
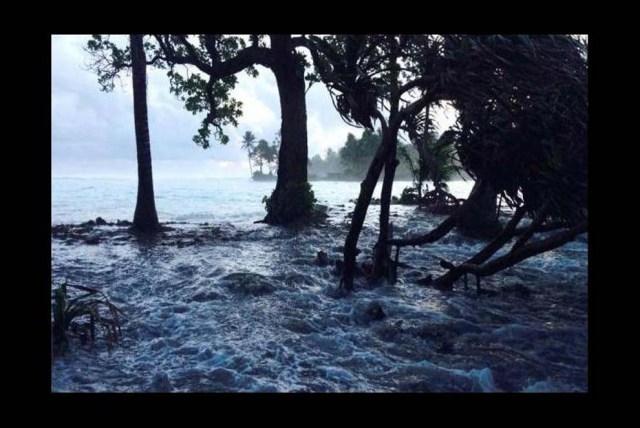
[[443, 228], [243, 59], [541, 215], [528, 250]]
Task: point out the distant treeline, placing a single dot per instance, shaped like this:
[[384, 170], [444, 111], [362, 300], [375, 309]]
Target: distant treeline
[[351, 161]]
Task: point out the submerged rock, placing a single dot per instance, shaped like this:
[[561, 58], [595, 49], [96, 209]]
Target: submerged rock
[[368, 312], [322, 259], [92, 239]]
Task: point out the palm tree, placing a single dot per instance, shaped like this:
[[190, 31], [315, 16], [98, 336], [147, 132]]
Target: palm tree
[[145, 218], [263, 154], [434, 162], [248, 143], [438, 160]]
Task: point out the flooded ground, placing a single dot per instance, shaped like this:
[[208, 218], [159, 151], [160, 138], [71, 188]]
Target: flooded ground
[[219, 307]]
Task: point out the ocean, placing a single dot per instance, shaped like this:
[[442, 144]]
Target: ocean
[[244, 308], [233, 200]]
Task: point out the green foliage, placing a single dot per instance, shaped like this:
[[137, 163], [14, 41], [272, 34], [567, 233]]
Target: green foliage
[[203, 72], [436, 163], [523, 113], [358, 152], [82, 315], [199, 93], [294, 202], [202, 95], [108, 60]]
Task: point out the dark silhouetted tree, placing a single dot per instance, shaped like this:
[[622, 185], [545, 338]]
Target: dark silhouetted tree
[[522, 131], [219, 58], [108, 61]]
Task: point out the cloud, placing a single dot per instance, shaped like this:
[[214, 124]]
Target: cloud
[[92, 130]]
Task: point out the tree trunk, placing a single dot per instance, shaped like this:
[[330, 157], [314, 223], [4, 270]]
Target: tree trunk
[[382, 249], [480, 221], [292, 198], [145, 218], [517, 255], [447, 280], [360, 212], [250, 168]]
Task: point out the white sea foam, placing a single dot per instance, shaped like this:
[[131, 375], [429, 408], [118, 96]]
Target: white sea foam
[[252, 313]]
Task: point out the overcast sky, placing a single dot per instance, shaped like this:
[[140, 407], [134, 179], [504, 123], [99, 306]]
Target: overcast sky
[[93, 132]]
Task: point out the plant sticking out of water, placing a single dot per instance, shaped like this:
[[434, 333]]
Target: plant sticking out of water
[[83, 315]]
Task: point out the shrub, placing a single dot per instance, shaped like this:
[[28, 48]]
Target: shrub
[[295, 202], [82, 315]]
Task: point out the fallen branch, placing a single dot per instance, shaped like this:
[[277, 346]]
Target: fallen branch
[[515, 256]]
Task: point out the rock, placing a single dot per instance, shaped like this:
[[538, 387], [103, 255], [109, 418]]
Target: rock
[[92, 240], [366, 313], [161, 383], [100, 221], [374, 311], [60, 228], [322, 259], [88, 223], [123, 223]]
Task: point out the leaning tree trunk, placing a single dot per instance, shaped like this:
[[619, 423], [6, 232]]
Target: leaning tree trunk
[[360, 212], [292, 198], [381, 251], [480, 221], [145, 218]]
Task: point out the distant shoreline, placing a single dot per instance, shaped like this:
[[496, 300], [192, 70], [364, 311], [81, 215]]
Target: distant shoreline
[[248, 179]]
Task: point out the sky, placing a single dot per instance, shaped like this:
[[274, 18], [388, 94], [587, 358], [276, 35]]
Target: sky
[[93, 134]]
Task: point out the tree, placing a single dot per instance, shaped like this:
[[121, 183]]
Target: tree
[[262, 154], [220, 58], [357, 153], [368, 76], [248, 143], [522, 131], [434, 162], [108, 61]]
